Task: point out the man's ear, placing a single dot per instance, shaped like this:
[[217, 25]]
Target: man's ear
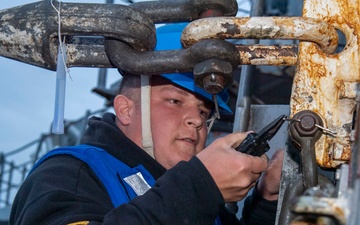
[[123, 107]]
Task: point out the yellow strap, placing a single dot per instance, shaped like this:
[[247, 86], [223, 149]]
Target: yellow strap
[[79, 223]]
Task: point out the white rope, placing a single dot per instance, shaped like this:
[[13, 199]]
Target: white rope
[[61, 70], [61, 42], [147, 141]]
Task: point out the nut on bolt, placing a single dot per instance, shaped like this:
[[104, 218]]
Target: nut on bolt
[[306, 127], [213, 75]]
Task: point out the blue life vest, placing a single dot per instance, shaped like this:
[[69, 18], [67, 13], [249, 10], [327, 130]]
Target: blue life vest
[[122, 182]]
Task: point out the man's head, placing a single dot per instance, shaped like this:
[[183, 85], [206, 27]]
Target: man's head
[[178, 118], [178, 109]]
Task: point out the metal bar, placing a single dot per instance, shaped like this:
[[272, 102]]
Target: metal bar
[[90, 52], [38, 149], [283, 28], [9, 185], [273, 55], [309, 167], [2, 174], [87, 52]]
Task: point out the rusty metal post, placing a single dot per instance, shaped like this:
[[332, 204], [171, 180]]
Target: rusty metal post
[[325, 83]]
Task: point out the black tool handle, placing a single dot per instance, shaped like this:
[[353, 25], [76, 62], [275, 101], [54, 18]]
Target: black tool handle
[[251, 145]]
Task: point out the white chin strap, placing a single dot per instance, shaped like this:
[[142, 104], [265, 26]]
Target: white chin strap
[[147, 141], [216, 115], [210, 122]]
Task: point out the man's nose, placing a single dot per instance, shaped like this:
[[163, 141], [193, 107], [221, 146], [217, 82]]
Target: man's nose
[[193, 118]]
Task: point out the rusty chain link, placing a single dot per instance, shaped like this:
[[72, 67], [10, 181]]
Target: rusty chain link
[[32, 35], [31, 31], [285, 28]]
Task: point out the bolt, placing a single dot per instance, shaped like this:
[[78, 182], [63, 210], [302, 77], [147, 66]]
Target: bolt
[[307, 123], [213, 83], [213, 75], [306, 127]]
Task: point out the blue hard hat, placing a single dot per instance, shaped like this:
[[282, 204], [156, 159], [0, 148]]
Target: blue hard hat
[[168, 38]]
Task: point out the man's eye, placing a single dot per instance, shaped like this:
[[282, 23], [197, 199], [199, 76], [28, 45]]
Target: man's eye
[[204, 114], [174, 101]]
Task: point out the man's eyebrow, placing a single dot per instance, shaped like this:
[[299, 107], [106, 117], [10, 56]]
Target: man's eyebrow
[[205, 102], [174, 89]]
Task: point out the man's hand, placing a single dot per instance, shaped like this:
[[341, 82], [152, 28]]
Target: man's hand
[[234, 173], [269, 182]]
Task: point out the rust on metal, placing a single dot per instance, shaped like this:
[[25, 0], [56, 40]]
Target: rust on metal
[[185, 10], [285, 28], [326, 83], [322, 206], [134, 61], [29, 33], [274, 55]]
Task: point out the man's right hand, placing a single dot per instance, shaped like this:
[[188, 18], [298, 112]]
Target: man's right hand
[[234, 173]]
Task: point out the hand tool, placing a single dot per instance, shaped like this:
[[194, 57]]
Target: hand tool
[[256, 144]]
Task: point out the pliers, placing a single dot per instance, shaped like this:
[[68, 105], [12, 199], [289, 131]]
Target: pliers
[[256, 144]]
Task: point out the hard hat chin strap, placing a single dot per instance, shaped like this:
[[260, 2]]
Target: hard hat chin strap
[[215, 115], [147, 141], [210, 122]]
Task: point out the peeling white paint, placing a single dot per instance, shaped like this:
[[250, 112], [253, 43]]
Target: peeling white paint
[[332, 78]]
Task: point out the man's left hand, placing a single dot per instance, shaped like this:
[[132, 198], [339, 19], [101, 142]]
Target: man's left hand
[[269, 182]]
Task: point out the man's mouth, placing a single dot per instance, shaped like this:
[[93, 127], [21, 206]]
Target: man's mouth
[[189, 140]]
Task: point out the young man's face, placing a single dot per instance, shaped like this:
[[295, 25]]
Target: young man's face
[[178, 123]]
